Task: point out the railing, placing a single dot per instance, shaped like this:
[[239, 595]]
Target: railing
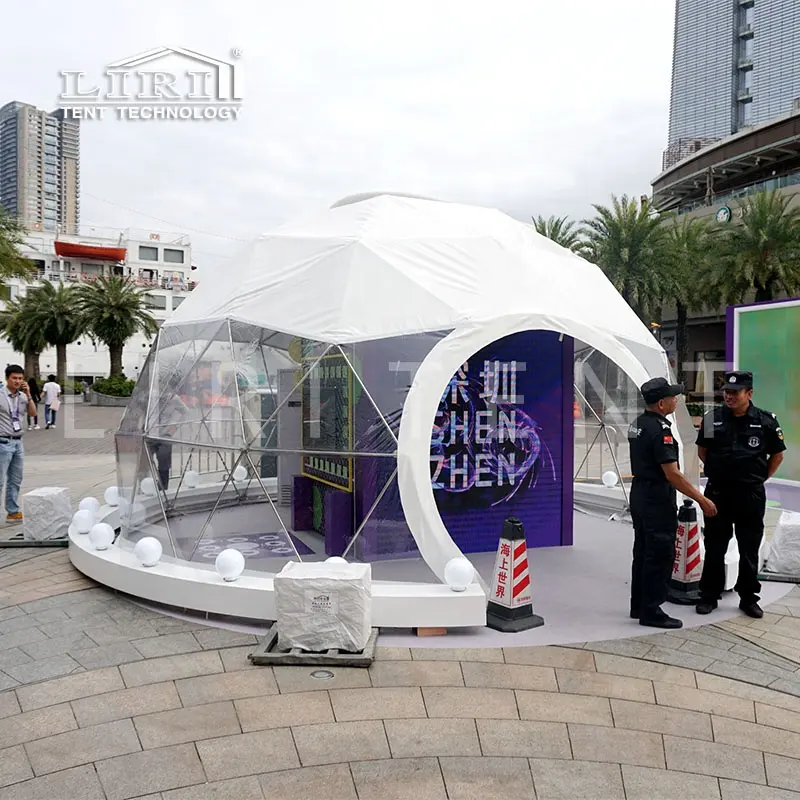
[[88, 277], [592, 454], [792, 179]]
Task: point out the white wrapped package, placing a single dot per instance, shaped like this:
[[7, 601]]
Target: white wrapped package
[[47, 513], [324, 606], [784, 555]]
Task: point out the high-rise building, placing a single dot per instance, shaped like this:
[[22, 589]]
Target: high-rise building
[[736, 64], [40, 167]]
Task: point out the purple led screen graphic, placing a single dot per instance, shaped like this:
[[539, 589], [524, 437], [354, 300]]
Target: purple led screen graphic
[[497, 443]]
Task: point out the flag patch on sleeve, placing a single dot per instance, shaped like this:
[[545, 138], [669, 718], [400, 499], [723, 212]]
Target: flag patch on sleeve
[[668, 440]]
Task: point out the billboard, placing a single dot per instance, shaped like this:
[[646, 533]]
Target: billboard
[[497, 446], [764, 338]]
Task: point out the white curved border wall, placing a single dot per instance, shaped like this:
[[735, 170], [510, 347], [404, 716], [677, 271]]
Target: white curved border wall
[[184, 585], [419, 412]]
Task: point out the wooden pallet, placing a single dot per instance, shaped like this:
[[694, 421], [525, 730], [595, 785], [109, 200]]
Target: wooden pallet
[[267, 654]]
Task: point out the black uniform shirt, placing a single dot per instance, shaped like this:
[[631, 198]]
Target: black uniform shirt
[[739, 447], [652, 445]]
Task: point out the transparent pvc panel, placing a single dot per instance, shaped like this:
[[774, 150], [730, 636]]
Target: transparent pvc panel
[[128, 449], [134, 418]]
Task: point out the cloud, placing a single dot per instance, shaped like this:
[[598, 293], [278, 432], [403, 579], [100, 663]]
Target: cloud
[[533, 107]]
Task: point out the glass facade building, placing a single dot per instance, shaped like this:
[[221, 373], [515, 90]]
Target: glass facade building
[[40, 167], [736, 64]]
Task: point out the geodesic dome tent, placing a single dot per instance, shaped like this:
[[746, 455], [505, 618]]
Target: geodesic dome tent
[[313, 363]]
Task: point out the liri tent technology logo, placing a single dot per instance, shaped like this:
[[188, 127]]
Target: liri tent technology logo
[[167, 83]]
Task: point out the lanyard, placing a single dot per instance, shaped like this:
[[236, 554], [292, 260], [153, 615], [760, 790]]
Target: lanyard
[[13, 411]]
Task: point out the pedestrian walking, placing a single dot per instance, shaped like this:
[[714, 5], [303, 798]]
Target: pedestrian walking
[[654, 507], [15, 402], [36, 396], [741, 447], [51, 391]]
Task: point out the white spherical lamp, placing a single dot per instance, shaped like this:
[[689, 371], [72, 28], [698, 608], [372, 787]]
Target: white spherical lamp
[[240, 473], [149, 487], [89, 504], [335, 560], [192, 479], [229, 564], [101, 536], [458, 574], [111, 496], [83, 520], [148, 551], [610, 479]]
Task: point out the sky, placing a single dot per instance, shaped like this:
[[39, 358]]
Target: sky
[[533, 107]]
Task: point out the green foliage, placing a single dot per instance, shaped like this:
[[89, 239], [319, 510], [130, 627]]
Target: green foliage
[[12, 264], [115, 386], [15, 325], [55, 311], [561, 230]]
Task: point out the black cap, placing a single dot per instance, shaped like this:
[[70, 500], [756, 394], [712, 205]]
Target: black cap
[[738, 380], [659, 388]]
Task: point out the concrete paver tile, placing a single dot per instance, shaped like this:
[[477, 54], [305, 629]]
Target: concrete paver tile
[[633, 648], [80, 782], [13, 657], [392, 653], [417, 673], [125, 703], [741, 673], [18, 638], [216, 638], [114, 633], [761, 737], [14, 766], [284, 710], [593, 743], [171, 644], [165, 728], [141, 773], [72, 687], [550, 656], [298, 679], [32, 725], [454, 702], [83, 746], [601, 685], [681, 658], [226, 686], [576, 780], [171, 668], [661, 719], [714, 683], [55, 647], [482, 654], [713, 758], [517, 738], [9, 704], [420, 738], [645, 783], [787, 686], [47, 669], [554, 707], [7, 682], [234, 659], [510, 676], [648, 670], [247, 754], [738, 790], [332, 782], [398, 779], [110, 655], [400, 702], [782, 772], [334, 743], [699, 700], [777, 717], [234, 789], [477, 779]]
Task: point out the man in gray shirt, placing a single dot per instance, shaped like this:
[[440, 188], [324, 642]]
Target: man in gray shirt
[[15, 403]]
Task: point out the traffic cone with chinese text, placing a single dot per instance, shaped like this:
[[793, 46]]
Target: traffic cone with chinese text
[[510, 605], [684, 586]]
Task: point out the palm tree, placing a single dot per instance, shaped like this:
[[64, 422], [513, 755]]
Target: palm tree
[[627, 241], [55, 311], [15, 325], [114, 310], [12, 264], [561, 230], [760, 254], [691, 250]]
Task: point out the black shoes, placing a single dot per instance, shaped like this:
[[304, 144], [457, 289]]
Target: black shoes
[[705, 606], [661, 620], [753, 610]]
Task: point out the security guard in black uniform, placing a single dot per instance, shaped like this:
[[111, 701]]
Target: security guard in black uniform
[[654, 507], [741, 447]]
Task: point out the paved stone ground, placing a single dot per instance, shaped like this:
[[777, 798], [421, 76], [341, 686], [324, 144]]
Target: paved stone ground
[[101, 698]]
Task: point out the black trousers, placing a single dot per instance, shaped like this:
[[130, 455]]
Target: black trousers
[[163, 453], [655, 525], [740, 508]]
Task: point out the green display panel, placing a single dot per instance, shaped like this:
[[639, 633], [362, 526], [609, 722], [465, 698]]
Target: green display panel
[[766, 342]]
